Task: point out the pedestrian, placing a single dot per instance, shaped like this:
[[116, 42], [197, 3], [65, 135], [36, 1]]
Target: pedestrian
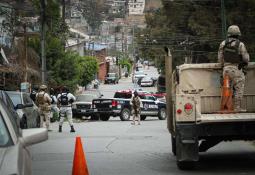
[[34, 92], [43, 101], [54, 102], [233, 56], [135, 103], [65, 100]]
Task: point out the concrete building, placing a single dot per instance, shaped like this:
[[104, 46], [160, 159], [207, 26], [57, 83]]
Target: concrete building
[[117, 7], [136, 7]]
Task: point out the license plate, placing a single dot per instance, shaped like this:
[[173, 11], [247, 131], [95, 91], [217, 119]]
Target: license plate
[[83, 110], [95, 110]]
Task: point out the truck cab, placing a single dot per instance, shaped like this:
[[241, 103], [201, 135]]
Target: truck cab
[[196, 122]]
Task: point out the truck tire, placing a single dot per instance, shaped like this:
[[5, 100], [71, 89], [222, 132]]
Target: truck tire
[[104, 117], [94, 117], [162, 114], [125, 114], [143, 117], [183, 150], [186, 165], [173, 145]]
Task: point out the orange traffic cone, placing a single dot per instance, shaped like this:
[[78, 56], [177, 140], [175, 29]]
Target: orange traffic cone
[[79, 161], [226, 96]]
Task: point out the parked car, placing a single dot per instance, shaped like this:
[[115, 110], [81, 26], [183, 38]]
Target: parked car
[[14, 155], [82, 105], [161, 83], [111, 78], [27, 110], [120, 106], [137, 76], [8, 102], [147, 81]]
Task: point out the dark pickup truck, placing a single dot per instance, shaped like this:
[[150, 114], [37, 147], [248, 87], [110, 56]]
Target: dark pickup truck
[[120, 106]]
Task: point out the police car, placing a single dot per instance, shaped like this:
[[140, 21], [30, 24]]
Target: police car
[[120, 106]]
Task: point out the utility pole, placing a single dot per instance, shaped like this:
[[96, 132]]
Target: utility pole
[[169, 100], [223, 20], [25, 49], [43, 33]]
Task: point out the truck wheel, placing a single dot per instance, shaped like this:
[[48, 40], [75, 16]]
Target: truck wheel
[[186, 165], [125, 114], [173, 145], [188, 152], [162, 114], [94, 117], [143, 117], [104, 117]]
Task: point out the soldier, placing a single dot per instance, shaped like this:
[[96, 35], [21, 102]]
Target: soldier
[[43, 101], [65, 100], [135, 103], [34, 92], [54, 107], [232, 55]]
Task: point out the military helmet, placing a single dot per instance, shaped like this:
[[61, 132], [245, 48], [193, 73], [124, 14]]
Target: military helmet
[[234, 30], [43, 87]]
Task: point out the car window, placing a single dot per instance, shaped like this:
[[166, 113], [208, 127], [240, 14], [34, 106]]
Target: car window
[[26, 99], [111, 75], [122, 95], [5, 138], [15, 98], [86, 98]]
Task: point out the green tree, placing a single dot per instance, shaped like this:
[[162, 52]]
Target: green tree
[[193, 29], [88, 67], [66, 70]]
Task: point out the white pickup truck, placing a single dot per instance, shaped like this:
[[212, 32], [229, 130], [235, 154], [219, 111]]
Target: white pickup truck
[[194, 120]]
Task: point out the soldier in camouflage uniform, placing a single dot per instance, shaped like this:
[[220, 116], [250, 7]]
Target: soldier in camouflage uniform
[[232, 53], [135, 103], [43, 101]]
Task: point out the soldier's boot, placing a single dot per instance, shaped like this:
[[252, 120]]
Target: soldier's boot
[[59, 128], [72, 129]]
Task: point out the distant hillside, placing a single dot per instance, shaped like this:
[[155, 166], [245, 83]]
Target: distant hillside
[[152, 5]]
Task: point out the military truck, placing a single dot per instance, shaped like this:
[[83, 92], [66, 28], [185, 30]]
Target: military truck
[[193, 111]]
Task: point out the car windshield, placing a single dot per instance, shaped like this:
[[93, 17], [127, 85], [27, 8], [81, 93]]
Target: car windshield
[[111, 75], [4, 134], [126, 95], [139, 73], [146, 79], [86, 97], [15, 98]]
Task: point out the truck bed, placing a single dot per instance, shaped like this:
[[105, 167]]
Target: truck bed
[[234, 117]]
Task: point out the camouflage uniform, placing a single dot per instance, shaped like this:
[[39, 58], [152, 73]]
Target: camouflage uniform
[[136, 102], [236, 76], [43, 101]]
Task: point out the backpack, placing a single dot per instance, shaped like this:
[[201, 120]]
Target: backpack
[[231, 52], [64, 99], [40, 99]]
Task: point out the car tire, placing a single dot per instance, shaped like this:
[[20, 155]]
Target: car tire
[[38, 121], [143, 117], [104, 117], [95, 117], [23, 123], [125, 114], [173, 145], [162, 114]]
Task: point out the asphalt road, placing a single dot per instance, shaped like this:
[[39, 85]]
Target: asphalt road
[[115, 147]]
